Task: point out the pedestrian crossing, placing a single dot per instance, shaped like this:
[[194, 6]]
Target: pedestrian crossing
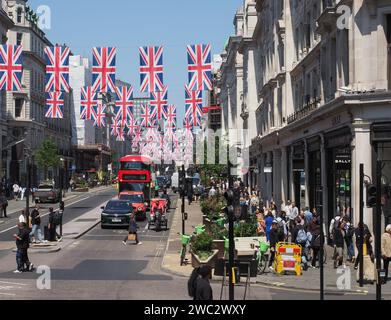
[[10, 289]]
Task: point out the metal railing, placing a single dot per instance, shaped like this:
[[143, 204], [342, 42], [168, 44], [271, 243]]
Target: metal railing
[[303, 111]]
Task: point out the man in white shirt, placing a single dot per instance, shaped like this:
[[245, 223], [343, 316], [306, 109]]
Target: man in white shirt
[[212, 192], [22, 217], [16, 189]]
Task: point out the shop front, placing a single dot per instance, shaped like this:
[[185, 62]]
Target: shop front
[[315, 174], [299, 175], [339, 173]]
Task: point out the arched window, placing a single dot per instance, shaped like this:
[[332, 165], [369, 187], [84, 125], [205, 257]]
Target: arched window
[[19, 15]]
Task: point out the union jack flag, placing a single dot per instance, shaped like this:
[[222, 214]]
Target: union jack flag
[[100, 115], [57, 69], [171, 118], [148, 115], [137, 137], [87, 103], [151, 69], [11, 67], [103, 69], [199, 67], [121, 134], [193, 106], [132, 127], [115, 128], [188, 126], [123, 105], [159, 100], [54, 105]]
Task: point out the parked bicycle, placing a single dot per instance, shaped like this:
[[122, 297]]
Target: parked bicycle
[[185, 243], [262, 257]]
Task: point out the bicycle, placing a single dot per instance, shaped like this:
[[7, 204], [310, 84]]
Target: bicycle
[[262, 257], [185, 242]]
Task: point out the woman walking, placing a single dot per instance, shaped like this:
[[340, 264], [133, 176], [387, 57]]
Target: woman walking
[[132, 231]]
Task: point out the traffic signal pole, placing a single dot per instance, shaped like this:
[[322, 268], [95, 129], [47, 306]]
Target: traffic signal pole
[[378, 229], [183, 200], [231, 231]]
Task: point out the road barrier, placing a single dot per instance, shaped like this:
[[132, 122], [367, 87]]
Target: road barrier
[[288, 258]]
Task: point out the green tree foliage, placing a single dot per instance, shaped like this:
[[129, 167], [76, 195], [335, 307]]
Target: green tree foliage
[[47, 156]]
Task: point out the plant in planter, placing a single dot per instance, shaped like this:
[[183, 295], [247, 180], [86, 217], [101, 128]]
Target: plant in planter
[[219, 234], [211, 207], [245, 229], [202, 250]]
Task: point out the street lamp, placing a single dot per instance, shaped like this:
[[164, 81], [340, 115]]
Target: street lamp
[[62, 191]]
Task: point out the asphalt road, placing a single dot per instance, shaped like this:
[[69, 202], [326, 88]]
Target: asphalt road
[[98, 266], [78, 206]]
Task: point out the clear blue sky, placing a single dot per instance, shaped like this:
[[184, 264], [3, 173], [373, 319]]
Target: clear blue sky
[[129, 24]]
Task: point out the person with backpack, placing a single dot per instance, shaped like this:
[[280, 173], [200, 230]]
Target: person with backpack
[[274, 239], [315, 244]]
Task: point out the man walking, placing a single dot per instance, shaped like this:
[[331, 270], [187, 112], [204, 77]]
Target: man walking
[[36, 231], [386, 249], [22, 245], [16, 189], [3, 204], [204, 290], [273, 243]]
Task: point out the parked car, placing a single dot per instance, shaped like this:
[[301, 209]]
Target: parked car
[[116, 214], [136, 199], [47, 192]]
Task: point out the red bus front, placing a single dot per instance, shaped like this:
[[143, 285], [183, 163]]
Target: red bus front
[[135, 174]]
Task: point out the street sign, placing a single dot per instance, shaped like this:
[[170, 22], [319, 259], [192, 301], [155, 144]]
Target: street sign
[[268, 170]]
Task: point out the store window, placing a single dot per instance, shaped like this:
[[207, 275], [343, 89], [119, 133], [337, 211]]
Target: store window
[[384, 150], [343, 180]]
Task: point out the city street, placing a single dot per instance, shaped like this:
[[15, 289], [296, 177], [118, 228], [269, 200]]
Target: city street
[[98, 266]]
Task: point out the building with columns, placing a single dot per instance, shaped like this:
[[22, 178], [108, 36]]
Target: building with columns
[[320, 96], [25, 110]]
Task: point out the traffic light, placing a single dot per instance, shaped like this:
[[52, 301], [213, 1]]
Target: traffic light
[[229, 209], [371, 196]]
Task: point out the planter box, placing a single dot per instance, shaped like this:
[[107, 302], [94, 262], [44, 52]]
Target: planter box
[[82, 190], [196, 262], [219, 245]]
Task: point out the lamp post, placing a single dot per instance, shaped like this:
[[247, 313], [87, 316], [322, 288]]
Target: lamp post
[[62, 191]]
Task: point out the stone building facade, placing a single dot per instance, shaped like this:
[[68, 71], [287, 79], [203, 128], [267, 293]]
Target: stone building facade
[[316, 77]]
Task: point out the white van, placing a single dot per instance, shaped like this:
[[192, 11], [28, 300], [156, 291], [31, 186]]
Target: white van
[[175, 182]]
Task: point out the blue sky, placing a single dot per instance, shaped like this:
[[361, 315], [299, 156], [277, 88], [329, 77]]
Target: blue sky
[[129, 24]]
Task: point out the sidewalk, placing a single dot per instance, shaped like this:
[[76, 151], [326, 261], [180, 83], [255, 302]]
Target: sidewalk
[[310, 279], [71, 231], [171, 260]]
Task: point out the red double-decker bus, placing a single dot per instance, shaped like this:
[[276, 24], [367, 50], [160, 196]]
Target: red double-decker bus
[[137, 173]]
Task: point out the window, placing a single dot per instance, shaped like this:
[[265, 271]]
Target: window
[[19, 38], [18, 107], [19, 15]]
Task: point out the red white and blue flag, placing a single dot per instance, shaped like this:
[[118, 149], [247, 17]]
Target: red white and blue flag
[[100, 115], [115, 127], [151, 69], [132, 126], [121, 134], [54, 105], [103, 69], [57, 69], [159, 100], [199, 67], [11, 67], [193, 106], [123, 105], [170, 124], [88, 102], [148, 115]]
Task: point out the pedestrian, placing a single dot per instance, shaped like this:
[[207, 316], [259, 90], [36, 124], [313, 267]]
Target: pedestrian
[[261, 225], [333, 224], [308, 215], [386, 250], [212, 192], [367, 241], [269, 223], [204, 290], [22, 192], [254, 202], [300, 237], [315, 244], [16, 189], [22, 240], [292, 215], [349, 233], [36, 231], [339, 243], [52, 225], [273, 243], [3, 204], [132, 231]]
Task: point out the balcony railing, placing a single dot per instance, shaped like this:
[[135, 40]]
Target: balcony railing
[[304, 111]]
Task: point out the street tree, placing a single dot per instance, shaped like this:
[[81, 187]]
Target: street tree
[[47, 156]]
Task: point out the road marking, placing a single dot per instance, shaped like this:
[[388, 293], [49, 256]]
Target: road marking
[[46, 214], [146, 227], [18, 284], [8, 294]]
